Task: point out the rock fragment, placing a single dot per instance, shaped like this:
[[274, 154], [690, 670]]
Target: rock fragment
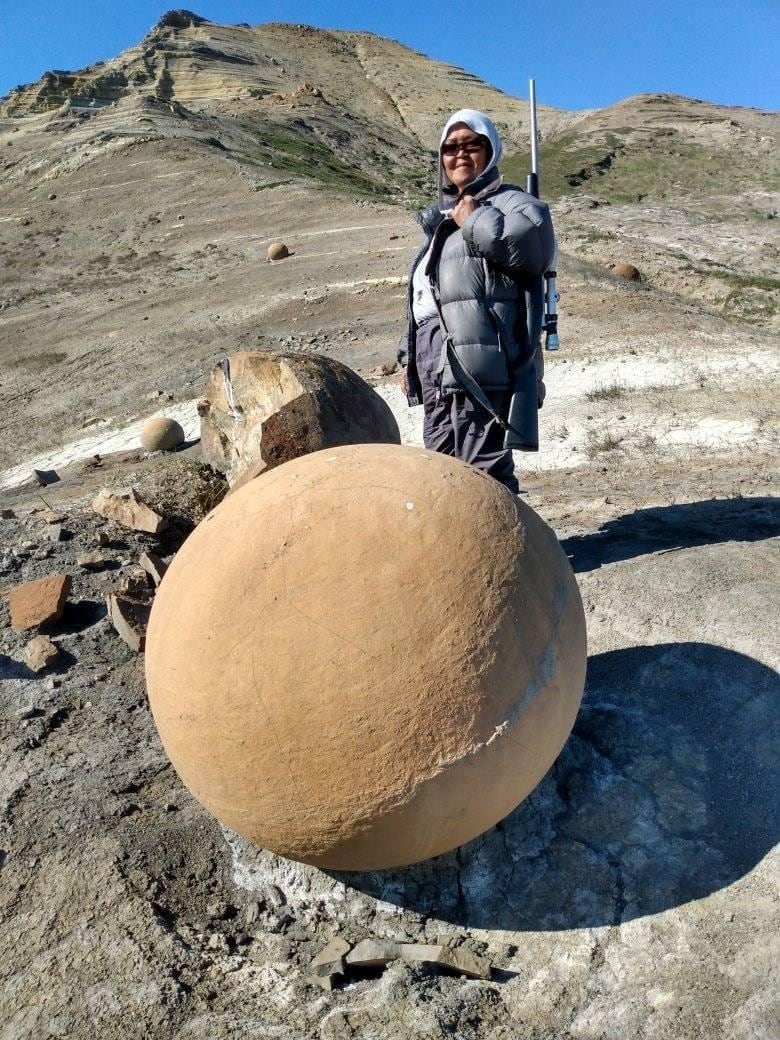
[[136, 585], [7, 514], [39, 653], [329, 963], [53, 533], [128, 508], [374, 953], [464, 963], [421, 953], [91, 561], [51, 516], [154, 566], [278, 251], [38, 602], [130, 618], [44, 477]]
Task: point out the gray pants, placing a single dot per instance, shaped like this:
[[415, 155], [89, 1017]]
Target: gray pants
[[456, 425]]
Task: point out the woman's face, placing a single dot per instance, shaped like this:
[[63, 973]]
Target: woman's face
[[464, 155]]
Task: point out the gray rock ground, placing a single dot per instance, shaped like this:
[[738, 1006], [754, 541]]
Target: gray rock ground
[[632, 895]]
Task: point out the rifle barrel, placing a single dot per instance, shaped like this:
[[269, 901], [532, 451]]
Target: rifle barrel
[[534, 131], [532, 181]]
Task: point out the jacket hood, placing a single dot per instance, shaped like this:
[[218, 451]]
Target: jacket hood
[[480, 124]]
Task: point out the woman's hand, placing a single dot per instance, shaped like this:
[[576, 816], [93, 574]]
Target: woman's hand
[[405, 381], [464, 209]]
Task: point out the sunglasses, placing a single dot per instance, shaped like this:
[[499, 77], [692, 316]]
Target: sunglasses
[[471, 147]]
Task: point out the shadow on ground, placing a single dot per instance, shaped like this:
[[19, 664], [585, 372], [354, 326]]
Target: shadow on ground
[[667, 790], [666, 528]]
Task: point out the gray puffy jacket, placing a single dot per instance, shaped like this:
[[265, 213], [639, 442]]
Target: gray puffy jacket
[[490, 286]]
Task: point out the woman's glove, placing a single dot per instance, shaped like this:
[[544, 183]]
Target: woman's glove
[[464, 209]]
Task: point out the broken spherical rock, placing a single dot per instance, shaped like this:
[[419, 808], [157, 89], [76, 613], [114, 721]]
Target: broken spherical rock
[[263, 408], [278, 251], [367, 657], [161, 434]]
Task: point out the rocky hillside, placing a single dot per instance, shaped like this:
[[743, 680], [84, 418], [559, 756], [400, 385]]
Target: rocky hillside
[[137, 196]]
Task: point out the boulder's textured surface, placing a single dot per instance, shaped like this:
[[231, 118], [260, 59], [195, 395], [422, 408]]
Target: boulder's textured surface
[[38, 602], [265, 408], [161, 434], [278, 251], [366, 658]]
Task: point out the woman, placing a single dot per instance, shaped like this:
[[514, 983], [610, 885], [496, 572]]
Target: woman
[[477, 282]]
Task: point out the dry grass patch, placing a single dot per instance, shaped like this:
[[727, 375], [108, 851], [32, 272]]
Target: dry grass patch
[[601, 441], [606, 392]]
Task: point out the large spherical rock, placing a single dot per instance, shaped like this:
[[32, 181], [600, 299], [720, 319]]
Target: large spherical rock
[[161, 434], [366, 658]]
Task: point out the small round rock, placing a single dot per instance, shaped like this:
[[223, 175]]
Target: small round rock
[[161, 434], [278, 251], [627, 271]]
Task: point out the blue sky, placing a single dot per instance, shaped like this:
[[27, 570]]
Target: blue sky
[[582, 54]]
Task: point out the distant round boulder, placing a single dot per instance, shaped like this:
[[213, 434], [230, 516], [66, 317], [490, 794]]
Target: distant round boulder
[[627, 271], [278, 251], [161, 434], [367, 657]]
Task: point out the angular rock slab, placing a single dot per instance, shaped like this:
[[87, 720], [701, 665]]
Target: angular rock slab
[[329, 963], [367, 657], [128, 508], [38, 602], [130, 618], [263, 408]]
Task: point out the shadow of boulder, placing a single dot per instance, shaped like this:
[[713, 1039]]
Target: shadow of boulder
[[667, 790], [666, 528]]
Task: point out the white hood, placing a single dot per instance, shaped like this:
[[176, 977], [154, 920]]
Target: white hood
[[480, 124]]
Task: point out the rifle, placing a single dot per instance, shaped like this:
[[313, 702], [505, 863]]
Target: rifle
[[522, 426], [551, 297]]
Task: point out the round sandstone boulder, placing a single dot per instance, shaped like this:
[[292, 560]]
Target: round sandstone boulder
[[161, 434], [278, 251], [627, 271], [366, 658]]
